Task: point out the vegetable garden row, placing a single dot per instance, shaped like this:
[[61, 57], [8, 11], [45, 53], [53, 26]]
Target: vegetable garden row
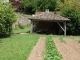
[[51, 50]]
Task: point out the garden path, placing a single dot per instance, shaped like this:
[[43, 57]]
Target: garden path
[[36, 53]]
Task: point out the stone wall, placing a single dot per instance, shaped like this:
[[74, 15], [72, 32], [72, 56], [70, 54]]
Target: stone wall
[[21, 19], [5, 0]]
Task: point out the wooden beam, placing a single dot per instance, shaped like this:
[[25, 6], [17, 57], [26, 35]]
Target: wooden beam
[[60, 26], [35, 24], [32, 26], [65, 28], [31, 29]]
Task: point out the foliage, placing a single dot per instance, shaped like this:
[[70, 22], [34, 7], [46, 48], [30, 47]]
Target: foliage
[[21, 26], [59, 5], [71, 11], [46, 4], [17, 47], [17, 4], [51, 50], [69, 3], [7, 18], [30, 6]]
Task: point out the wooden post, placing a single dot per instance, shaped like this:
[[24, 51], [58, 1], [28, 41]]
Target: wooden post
[[65, 28], [31, 30]]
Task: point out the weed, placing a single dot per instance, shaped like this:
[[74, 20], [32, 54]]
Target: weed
[[79, 41], [61, 40]]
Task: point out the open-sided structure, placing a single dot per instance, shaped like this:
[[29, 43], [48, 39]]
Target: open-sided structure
[[48, 22]]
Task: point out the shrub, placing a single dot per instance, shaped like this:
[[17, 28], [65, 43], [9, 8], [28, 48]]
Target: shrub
[[73, 26], [7, 18], [20, 26], [17, 5], [70, 9]]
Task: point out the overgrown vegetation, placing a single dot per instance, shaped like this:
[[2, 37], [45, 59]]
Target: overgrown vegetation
[[51, 50], [71, 10], [7, 18]]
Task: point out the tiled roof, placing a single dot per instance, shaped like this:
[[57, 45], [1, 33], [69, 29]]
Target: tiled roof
[[48, 16]]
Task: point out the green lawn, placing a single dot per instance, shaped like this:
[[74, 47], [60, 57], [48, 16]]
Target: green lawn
[[17, 47]]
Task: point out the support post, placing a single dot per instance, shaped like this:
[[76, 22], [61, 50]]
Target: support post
[[65, 28], [60, 26], [31, 29]]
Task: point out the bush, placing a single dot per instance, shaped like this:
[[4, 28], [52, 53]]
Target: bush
[[7, 18], [17, 5], [20, 26], [73, 26]]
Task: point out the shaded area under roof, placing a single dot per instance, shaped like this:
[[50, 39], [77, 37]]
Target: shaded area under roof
[[48, 16]]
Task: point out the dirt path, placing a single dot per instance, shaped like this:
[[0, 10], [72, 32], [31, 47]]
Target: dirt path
[[70, 50], [36, 53]]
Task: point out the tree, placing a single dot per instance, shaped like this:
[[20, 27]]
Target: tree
[[46, 4], [69, 3], [7, 18], [71, 10], [31, 6], [28, 5]]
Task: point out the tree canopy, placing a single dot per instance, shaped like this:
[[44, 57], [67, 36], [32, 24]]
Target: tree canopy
[[71, 10], [31, 6]]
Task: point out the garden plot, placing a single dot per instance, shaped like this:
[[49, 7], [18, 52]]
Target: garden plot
[[69, 50]]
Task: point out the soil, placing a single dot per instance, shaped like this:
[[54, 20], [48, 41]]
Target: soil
[[70, 50], [36, 53]]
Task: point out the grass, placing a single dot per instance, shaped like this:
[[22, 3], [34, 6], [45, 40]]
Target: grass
[[17, 47], [19, 30]]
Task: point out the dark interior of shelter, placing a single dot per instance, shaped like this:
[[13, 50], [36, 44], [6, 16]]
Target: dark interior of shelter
[[46, 27]]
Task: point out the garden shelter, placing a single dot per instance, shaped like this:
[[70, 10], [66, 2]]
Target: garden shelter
[[48, 22]]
